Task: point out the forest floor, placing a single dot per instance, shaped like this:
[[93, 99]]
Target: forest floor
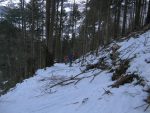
[[89, 88]]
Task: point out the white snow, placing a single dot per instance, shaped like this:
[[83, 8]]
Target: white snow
[[77, 1], [34, 95]]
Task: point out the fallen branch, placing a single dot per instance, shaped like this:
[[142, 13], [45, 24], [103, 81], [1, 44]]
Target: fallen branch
[[123, 80], [146, 107], [96, 74], [107, 92], [73, 79], [140, 106]]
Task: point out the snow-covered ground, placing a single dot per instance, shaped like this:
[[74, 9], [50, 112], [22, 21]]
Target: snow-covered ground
[[35, 94]]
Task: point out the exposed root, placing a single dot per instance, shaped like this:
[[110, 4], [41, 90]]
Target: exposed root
[[122, 80], [128, 79]]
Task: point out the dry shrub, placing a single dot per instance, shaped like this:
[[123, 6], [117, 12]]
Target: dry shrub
[[121, 69]]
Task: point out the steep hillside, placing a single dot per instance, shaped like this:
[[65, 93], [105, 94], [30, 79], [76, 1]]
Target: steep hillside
[[114, 79]]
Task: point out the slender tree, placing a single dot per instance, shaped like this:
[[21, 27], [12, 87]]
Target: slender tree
[[148, 14]]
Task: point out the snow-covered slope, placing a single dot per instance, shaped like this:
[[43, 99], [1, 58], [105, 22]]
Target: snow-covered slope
[[87, 95]]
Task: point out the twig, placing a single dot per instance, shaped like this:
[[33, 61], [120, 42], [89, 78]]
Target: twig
[[96, 74], [146, 108], [140, 106], [107, 92]]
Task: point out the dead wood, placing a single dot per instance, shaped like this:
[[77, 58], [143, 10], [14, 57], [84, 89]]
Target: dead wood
[[148, 100], [128, 78], [101, 64], [135, 34], [108, 92], [96, 74], [75, 79], [123, 80], [121, 69], [140, 81]]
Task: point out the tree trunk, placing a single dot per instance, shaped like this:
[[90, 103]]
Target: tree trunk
[[124, 17], [148, 14], [137, 23], [49, 49]]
